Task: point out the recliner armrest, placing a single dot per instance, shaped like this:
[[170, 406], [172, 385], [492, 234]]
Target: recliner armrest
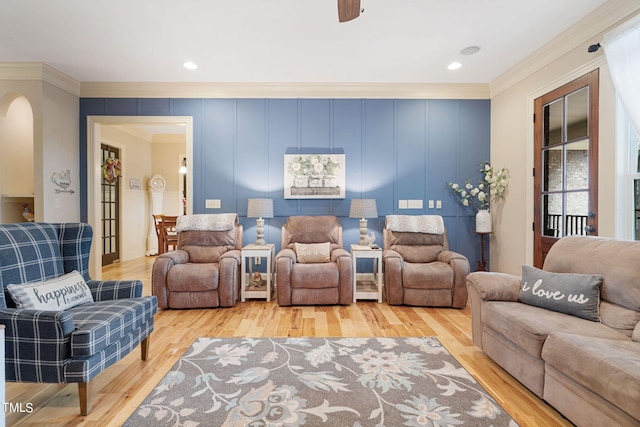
[[339, 253], [232, 254], [287, 253], [493, 286], [448, 256], [177, 257], [390, 253]]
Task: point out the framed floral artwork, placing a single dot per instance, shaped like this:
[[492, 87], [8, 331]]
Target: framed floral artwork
[[314, 176]]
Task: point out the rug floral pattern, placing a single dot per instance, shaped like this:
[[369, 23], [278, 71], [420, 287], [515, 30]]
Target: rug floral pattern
[[319, 381]]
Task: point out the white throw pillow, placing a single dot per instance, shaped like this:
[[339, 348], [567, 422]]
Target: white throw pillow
[[56, 294], [313, 252]]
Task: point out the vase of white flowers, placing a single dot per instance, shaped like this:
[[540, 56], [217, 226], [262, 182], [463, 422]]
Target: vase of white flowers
[[492, 186]]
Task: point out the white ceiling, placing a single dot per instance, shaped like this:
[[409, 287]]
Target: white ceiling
[[281, 41]]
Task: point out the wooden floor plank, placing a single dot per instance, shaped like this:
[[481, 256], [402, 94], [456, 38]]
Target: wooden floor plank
[[118, 391]]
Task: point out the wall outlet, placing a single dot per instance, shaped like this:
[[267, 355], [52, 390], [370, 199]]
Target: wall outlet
[[212, 204], [402, 204], [430, 204], [438, 204]]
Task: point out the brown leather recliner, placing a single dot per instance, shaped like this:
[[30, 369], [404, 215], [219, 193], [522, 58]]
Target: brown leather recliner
[[204, 270], [419, 268], [312, 268]]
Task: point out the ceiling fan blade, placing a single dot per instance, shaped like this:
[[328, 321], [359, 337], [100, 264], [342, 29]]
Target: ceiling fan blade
[[348, 10]]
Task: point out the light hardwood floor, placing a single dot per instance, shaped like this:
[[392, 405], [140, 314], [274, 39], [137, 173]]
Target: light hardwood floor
[[117, 392]]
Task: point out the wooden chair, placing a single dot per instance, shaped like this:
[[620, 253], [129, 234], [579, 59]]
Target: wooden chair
[[157, 220], [169, 234]]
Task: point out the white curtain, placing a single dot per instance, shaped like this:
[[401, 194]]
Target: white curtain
[[622, 50]]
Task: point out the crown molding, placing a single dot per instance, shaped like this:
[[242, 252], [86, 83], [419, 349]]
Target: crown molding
[[39, 71], [600, 20], [284, 90], [61, 80]]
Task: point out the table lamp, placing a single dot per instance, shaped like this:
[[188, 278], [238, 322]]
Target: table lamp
[[260, 208], [363, 209]]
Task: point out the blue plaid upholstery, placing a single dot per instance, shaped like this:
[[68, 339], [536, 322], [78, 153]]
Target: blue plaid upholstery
[[76, 344], [103, 323]]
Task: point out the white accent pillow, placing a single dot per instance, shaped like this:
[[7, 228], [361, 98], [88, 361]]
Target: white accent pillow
[[308, 253], [56, 294]]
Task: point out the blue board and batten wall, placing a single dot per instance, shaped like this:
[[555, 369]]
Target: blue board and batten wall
[[395, 150]]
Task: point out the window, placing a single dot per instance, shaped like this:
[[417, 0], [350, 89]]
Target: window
[[628, 184], [631, 140]]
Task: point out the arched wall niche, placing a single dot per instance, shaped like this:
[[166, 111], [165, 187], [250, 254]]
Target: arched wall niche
[[16, 157]]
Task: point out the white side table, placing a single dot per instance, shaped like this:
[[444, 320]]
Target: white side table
[[367, 289], [250, 252]]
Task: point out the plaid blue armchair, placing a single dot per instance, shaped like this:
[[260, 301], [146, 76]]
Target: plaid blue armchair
[[74, 345]]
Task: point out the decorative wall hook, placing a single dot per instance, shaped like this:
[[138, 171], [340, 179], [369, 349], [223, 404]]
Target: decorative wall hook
[[63, 180]]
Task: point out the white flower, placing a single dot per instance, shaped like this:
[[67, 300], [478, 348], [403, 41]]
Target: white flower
[[492, 185]]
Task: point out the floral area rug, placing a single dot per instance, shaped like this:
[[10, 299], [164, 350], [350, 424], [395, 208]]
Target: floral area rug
[[318, 382]]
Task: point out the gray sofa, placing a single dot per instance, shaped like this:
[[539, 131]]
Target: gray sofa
[[588, 370]]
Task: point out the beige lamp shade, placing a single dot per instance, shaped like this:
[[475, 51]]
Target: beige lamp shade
[[260, 208], [363, 208]]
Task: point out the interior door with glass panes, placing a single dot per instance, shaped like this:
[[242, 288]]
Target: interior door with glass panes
[[566, 164], [110, 193]]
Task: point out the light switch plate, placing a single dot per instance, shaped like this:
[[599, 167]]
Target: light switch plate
[[402, 204], [430, 204], [438, 204], [415, 204], [212, 204]]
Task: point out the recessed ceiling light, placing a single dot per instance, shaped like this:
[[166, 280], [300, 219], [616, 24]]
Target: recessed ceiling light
[[471, 50], [190, 65], [454, 66]]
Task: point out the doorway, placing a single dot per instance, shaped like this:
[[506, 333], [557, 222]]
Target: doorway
[[565, 163], [134, 186]]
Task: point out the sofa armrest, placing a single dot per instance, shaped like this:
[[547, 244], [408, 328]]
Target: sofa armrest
[[484, 287], [107, 290], [491, 286]]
